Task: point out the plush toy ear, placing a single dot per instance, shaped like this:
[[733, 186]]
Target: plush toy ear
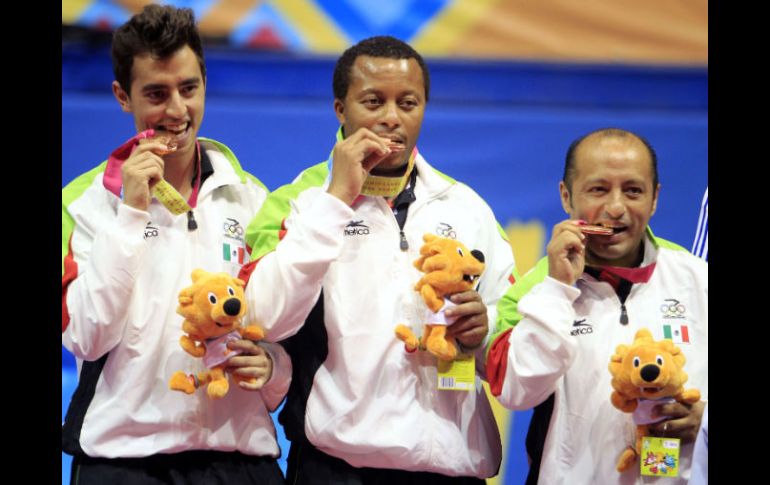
[[186, 294], [197, 274], [430, 249], [620, 352], [428, 237], [643, 334], [240, 282]]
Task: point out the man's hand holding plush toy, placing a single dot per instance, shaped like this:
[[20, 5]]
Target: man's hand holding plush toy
[[447, 288], [213, 308], [471, 323], [253, 364], [644, 372]]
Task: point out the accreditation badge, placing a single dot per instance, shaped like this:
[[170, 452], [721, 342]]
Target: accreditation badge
[[457, 375], [660, 457]]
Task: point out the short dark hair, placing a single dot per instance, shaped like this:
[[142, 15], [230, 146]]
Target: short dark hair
[[157, 30], [569, 163], [377, 46]]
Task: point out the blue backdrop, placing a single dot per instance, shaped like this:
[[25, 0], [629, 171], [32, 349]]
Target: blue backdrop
[[501, 127]]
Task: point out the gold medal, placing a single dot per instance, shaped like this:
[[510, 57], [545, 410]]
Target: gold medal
[[380, 185], [164, 191], [598, 230]]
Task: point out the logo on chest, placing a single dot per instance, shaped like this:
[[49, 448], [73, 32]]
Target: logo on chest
[[580, 327], [150, 231], [356, 228], [675, 326], [233, 229], [233, 247], [446, 230]]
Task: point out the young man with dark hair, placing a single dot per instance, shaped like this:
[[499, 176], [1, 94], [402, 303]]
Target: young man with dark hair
[[559, 324], [332, 273], [125, 258]]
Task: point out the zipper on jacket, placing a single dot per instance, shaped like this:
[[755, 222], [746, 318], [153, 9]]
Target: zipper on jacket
[[191, 224], [404, 245], [621, 287], [622, 291], [400, 208], [623, 314]]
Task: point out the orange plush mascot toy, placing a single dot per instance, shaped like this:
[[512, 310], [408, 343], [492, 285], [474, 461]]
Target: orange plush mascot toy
[[213, 308], [644, 375], [449, 268]]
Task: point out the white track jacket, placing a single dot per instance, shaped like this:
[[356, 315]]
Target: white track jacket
[[557, 338], [122, 273], [371, 403]]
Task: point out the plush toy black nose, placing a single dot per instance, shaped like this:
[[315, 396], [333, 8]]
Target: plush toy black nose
[[232, 306], [650, 372], [478, 255]]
